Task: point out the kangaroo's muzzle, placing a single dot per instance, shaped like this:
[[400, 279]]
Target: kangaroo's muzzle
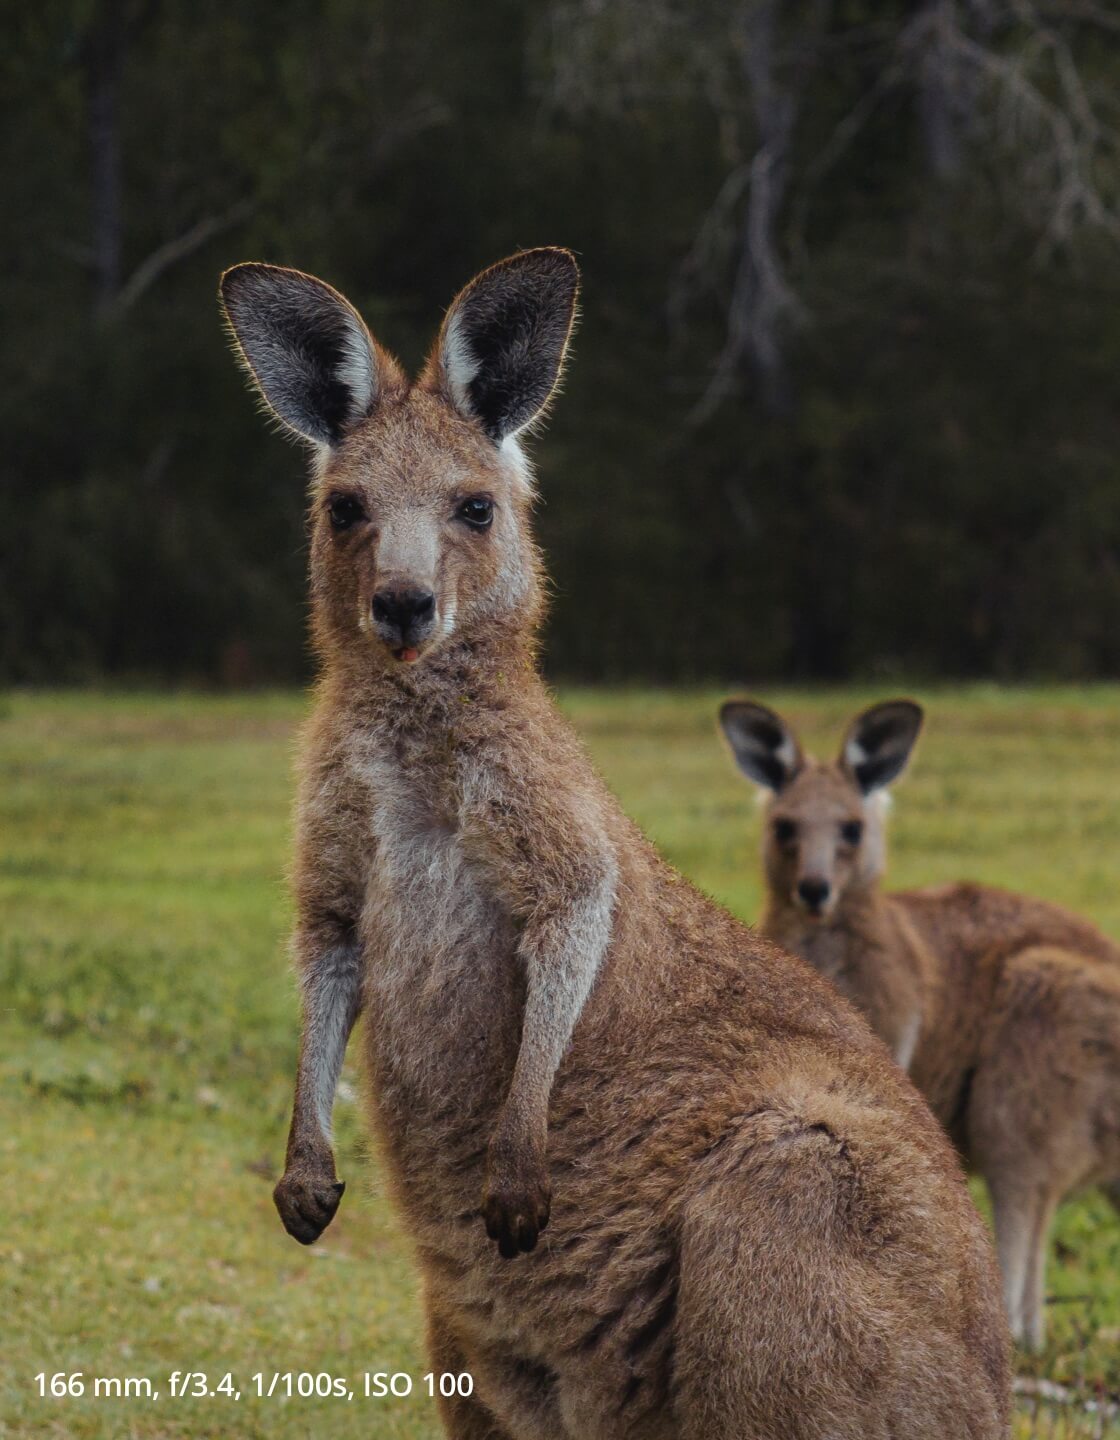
[[404, 617]]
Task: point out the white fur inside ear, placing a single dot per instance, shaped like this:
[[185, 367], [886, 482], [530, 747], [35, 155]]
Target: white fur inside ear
[[356, 369], [855, 754], [880, 801], [460, 366], [517, 464], [786, 754]]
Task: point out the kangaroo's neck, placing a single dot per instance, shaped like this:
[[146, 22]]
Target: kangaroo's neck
[[464, 688], [858, 926]]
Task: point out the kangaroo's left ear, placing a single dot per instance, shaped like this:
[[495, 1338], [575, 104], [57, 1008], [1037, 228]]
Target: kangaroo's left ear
[[502, 345], [879, 742]]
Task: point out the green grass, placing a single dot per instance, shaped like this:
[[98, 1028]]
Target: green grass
[[148, 1030]]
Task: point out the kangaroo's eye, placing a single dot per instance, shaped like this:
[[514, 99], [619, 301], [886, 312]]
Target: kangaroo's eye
[[785, 832], [344, 511], [477, 512], [851, 832]]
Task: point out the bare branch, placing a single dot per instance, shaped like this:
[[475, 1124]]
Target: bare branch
[[425, 112], [173, 251], [1003, 76], [842, 137]]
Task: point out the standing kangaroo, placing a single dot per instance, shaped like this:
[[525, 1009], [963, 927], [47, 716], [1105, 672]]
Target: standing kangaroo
[[1004, 1010], [755, 1228]]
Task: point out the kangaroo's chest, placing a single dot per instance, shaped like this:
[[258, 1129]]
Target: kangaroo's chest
[[443, 990]]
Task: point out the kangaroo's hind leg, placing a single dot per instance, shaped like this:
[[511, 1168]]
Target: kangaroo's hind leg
[[1037, 1108], [1034, 1290], [797, 1321], [1012, 1210]]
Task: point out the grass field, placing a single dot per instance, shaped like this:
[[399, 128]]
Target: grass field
[[148, 1030]]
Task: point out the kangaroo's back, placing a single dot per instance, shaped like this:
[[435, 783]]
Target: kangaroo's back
[[961, 922]]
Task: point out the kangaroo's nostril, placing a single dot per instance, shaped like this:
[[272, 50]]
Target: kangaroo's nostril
[[405, 609], [814, 892]]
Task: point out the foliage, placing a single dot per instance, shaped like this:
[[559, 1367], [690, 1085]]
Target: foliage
[[929, 484]]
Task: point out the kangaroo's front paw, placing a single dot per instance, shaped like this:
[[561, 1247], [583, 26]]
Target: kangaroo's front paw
[[307, 1202], [516, 1211]]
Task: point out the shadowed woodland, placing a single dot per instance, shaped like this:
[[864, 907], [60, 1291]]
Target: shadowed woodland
[[844, 402]]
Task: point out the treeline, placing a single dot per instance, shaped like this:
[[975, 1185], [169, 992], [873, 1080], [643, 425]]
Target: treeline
[[845, 399]]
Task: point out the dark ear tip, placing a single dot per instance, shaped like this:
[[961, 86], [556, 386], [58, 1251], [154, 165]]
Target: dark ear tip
[[742, 705], [241, 271], [234, 280], [236, 277], [901, 703], [904, 702], [551, 261], [730, 708]]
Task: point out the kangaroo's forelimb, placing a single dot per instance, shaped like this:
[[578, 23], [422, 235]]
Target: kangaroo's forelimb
[[566, 916], [309, 1191]]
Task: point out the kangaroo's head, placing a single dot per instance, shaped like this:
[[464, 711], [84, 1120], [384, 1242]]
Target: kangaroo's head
[[824, 837], [420, 529]]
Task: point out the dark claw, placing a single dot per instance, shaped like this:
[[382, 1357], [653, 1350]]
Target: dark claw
[[516, 1223]]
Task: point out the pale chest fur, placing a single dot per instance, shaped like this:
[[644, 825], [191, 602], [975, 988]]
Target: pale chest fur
[[443, 990], [875, 966]]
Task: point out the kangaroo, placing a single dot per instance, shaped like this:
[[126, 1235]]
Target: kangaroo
[[1004, 1010], [662, 1182]]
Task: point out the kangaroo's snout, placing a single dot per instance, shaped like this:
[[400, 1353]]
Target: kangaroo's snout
[[813, 893], [404, 616]]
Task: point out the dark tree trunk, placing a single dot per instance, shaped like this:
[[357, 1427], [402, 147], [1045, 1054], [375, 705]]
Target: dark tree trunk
[[103, 63], [938, 94]]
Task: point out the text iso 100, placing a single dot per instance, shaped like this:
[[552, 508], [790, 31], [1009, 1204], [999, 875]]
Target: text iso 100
[[381, 1385]]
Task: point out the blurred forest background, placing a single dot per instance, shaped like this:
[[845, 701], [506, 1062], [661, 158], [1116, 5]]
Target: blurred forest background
[[846, 397]]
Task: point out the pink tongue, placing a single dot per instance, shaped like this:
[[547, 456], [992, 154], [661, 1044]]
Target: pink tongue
[[408, 656]]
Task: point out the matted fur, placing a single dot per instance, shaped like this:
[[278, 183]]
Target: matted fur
[[1004, 1010], [729, 1214]]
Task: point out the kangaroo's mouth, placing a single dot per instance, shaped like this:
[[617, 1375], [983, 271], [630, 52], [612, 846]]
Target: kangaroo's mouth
[[407, 655]]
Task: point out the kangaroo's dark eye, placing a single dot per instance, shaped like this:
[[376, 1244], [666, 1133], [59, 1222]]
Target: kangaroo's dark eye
[[851, 832], [785, 832], [344, 511], [477, 512]]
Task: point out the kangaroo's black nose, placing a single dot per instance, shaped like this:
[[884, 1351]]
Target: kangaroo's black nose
[[408, 610], [814, 892]]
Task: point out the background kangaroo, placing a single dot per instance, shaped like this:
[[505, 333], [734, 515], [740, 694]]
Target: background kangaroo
[[1004, 1010], [755, 1228]]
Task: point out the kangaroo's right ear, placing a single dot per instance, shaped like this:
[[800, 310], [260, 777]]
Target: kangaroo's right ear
[[765, 748], [305, 347], [502, 345]]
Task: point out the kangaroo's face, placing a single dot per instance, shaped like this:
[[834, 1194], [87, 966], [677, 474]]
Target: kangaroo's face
[[420, 530], [420, 505], [824, 836]]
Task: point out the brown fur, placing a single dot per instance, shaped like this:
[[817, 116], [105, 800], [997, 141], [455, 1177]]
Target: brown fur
[[1004, 1010], [755, 1229]]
